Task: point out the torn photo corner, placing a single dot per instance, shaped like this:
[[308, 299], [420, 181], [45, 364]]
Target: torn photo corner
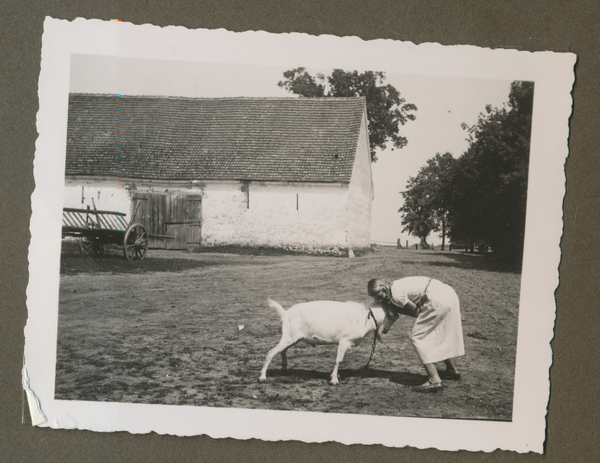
[[184, 177]]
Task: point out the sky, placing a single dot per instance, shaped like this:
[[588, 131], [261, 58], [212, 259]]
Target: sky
[[443, 103]]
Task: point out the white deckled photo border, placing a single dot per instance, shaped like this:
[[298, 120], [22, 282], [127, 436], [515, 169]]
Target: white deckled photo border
[[553, 75]]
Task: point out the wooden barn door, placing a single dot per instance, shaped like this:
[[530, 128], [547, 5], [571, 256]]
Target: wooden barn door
[[183, 220], [149, 209], [171, 219]]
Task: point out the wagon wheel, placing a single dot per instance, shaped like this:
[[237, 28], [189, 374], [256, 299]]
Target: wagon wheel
[[92, 246], [135, 243]]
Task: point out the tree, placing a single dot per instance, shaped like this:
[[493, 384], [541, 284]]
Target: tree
[[478, 199], [426, 205], [418, 218], [490, 179], [386, 109]]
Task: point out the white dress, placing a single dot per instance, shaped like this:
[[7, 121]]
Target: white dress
[[437, 332]]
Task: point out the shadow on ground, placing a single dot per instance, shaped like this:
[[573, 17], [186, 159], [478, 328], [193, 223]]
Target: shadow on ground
[[404, 378]]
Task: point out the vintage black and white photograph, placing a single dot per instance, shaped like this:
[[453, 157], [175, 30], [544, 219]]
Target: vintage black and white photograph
[[340, 238]]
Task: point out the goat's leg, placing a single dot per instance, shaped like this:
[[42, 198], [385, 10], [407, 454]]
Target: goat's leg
[[343, 346], [281, 347]]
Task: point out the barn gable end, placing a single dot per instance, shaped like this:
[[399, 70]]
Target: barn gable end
[[360, 193]]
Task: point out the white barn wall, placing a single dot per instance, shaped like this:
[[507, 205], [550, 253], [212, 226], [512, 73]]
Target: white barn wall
[[104, 194], [223, 203], [279, 214], [275, 214], [360, 194]]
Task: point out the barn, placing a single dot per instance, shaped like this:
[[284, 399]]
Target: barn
[[281, 172]]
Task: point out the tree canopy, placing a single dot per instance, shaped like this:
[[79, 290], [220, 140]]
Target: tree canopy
[[386, 109], [425, 208], [480, 199]]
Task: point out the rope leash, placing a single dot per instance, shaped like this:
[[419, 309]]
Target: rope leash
[[371, 315]]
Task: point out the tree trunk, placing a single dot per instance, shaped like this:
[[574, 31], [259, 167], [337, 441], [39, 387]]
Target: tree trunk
[[443, 234]]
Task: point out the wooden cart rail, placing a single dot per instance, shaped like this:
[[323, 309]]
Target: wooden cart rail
[[87, 218], [95, 229]]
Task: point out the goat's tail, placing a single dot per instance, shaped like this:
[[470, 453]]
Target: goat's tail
[[277, 307]]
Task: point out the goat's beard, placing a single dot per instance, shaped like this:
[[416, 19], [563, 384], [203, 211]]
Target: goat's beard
[[390, 308]]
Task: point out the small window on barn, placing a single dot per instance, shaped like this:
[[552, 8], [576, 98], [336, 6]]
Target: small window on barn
[[246, 190]]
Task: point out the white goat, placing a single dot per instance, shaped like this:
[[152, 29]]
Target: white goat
[[326, 322]]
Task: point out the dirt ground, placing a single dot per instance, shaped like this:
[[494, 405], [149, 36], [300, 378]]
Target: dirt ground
[[185, 328]]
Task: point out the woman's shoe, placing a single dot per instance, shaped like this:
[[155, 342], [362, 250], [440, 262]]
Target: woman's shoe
[[429, 387], [450, 376]]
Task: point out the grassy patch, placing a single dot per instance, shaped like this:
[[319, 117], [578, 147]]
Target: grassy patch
[[117, 265]]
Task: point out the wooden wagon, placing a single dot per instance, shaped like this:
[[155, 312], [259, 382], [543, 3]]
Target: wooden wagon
[[96, 229]]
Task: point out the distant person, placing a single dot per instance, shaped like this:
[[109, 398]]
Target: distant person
[[437, 332]]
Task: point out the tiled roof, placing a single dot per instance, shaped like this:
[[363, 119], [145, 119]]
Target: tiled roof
[[268, 139]]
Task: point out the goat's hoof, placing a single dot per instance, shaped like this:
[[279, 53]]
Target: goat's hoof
[[334, 382], [262, 379]]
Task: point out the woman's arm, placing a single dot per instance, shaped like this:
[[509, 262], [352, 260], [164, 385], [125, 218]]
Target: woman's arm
[[410, 308]]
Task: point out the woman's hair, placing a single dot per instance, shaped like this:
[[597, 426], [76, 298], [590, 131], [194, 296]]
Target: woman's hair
[[374, 284]]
